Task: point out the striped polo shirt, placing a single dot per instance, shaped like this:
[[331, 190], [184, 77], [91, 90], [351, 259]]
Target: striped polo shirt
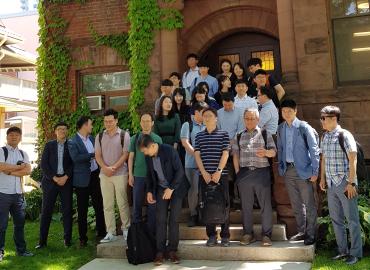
[[211, 145]]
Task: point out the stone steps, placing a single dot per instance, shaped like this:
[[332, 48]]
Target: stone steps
[[236, 232], [196, 250]]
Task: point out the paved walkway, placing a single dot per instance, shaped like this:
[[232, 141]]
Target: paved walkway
[[115, 264]]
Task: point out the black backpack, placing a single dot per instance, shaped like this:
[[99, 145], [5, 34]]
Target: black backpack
[[212, 203], [122, 135], [141, 245], [6, 153], [361, 170]]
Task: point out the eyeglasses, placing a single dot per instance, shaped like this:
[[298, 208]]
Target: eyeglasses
[[322, 118]]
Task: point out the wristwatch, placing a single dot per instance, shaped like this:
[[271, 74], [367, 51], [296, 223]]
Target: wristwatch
[[219, 170]]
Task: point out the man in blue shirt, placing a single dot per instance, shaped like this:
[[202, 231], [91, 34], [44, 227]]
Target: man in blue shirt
[[192, 73], [205, 77], [188, 133], [269, 115], [299, 156], [338, 168]]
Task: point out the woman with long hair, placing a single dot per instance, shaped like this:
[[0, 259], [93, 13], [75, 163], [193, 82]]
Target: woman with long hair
[[224, 86], [200, 94], [179, 105], [167, 123]]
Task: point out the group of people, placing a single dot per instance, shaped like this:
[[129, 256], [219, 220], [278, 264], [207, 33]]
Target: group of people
[[209, 134]]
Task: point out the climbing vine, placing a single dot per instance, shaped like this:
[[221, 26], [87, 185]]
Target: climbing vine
[[55, 92]]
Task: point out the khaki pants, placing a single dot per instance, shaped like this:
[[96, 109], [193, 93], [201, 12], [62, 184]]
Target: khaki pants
[[115, 186]]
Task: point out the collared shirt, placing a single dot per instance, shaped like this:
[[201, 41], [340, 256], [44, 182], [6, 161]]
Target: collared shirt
[[289, 135], [112, 150], [211, 146], [245, 102], [159, 170], [230, 121], [185, 130], [60, 169], [269, 117], [210, 80], [336, 162], [90, 149], [249, 143], [10, 184], [188, 77]]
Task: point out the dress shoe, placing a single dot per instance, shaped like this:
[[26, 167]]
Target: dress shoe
[[172, 256], [266, 241], [212, 241], [158, 259], [309, 241], [67, 243], [25, 254], [247, 239], [297, 237], [351, 260], [40, 246], [225, 242], [193, 221], [340, 257]]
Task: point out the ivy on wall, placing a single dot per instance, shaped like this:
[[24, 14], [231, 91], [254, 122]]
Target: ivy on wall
[[55, 92]]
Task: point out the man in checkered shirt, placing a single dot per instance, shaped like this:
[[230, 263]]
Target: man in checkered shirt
[[341, 181]]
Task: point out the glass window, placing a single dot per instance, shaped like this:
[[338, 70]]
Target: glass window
[[351, 31], [267, 58], [233, 58], [118, 102]]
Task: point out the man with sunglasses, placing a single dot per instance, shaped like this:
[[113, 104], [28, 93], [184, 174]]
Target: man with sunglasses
[[341, 184]]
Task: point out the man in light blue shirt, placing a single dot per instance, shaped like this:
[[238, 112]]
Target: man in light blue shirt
[[242, 100], [192, 73], [299, 156], [269, 115], [205, 77], [188, 133]]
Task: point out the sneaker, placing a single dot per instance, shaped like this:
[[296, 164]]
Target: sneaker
[[247, 239], [351, 260], [108, 238], [297, 237], [212, 241], [225, 242], [25, 254], [266, 241], [125, 234], [340, 256]]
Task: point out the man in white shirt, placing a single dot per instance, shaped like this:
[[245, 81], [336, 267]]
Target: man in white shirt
[[192, 73], [242, 100]]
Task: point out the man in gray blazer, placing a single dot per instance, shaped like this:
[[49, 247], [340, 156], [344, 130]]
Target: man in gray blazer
[[86, 178]]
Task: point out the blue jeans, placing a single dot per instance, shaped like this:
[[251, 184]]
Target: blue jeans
[[340, 208], [139, 196], [16, 205]]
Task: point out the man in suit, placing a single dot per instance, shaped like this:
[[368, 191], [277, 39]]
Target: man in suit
[[166, 186], [86, 178], [57, 167]]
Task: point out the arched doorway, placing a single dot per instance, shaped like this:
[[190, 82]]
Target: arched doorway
[[239, 47]]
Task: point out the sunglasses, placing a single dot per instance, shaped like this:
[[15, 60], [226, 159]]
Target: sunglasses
[[322, 118]]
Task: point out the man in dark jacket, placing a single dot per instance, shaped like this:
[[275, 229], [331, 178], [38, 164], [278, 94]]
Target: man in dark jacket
[[56, 165], [166, 186], [86, 178]]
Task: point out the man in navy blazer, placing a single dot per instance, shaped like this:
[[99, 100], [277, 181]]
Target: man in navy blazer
[[299, 156], [86, 178], [56, 165], [166, 186]]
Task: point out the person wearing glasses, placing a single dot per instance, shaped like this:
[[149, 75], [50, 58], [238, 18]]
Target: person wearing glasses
[[339, 180], [299, 159]]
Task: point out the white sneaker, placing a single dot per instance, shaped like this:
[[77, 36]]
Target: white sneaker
[[108, 238], [125, 233]]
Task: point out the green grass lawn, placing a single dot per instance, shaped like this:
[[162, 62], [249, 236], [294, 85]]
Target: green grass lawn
[[55, 256], [323, 262]]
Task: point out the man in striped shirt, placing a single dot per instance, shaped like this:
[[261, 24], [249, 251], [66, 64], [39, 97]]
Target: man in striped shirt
[[211, 153]]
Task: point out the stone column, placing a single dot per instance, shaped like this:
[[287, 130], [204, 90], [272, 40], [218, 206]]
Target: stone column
[[287, 43], [169, 52]]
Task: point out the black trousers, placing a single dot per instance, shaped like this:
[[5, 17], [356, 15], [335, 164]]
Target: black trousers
[[175, 204], [49, 196], [83, 195]]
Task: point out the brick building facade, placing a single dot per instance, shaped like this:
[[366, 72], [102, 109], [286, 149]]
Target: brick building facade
[[317, 47]]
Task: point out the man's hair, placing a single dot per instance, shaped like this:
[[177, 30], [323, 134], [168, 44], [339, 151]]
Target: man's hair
[[145, 141], [227, 97], [289, 103], [60, 124], [111, 112], [210, 109], [254, 61], [331, 110], [147, 113], [267, 91], [199, 106], [203, 64], [166, 82], [175, 74], [253, 110], [14, 129], [258, 72], [240, 81], [192, 55], [82, 120]]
